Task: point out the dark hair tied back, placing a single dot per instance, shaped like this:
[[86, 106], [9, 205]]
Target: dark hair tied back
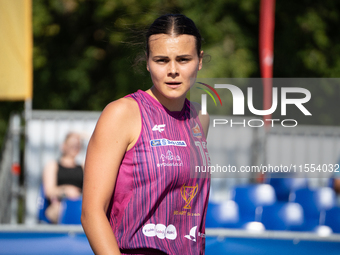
[[174, 24]]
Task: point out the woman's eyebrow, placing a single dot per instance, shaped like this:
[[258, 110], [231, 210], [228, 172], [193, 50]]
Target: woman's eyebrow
[[160, 56], [184, 56]]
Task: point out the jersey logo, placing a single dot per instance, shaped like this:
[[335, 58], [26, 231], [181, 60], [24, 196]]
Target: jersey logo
[[160, 230], [158, 128], [196, 131], [192, 234], [170, 160], [188, 193], [165, 142]]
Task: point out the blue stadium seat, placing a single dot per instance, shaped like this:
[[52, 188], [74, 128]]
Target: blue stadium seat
[[285, 186], [282, 216], [43, 203], [315, 203], [332, 219], [70, 212], [251, 198], [330, 182], [222, 215]]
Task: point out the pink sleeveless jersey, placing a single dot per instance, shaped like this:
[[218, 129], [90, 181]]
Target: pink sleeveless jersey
[[156, 207]]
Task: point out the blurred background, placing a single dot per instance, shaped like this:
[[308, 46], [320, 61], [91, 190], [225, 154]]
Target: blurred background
[[83, 51], [84, 56]]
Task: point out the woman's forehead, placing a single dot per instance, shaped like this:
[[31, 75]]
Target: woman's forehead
[[162, 43]]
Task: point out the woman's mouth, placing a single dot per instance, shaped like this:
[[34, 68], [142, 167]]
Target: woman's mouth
[[173, 84]]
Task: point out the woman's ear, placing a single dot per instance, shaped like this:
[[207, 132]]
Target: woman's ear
[[200, 60], [147, 62]]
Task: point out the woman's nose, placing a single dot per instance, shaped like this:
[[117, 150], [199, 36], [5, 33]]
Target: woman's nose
[[173, 70]]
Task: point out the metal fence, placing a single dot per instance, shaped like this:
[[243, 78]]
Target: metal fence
[[305, 145], [9, 179]]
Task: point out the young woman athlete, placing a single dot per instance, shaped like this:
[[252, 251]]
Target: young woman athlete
[[138, 196]]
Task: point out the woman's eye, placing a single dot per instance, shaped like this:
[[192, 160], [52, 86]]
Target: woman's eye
[[161, 61], [184, 60]]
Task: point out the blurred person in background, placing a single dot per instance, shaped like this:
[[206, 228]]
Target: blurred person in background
[[63, 178]]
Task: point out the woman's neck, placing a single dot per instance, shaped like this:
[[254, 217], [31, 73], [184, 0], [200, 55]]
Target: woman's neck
[[67, 161], [173, 105]]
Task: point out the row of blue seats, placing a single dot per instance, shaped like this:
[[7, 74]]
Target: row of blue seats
[[307, 210], [249, 203], [285, 187]]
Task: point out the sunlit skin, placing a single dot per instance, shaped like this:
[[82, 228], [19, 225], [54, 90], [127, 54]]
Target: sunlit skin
[[172, 62]]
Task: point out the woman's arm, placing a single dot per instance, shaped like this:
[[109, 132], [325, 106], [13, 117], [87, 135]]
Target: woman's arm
[[204, 119], [50, 181], [117, 131]]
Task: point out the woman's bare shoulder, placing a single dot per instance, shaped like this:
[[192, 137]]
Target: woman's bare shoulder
[[121, 110], [51, 165], [50, 170], [122, 107], [120, 120]]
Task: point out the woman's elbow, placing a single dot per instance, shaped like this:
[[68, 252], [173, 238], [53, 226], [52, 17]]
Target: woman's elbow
[[90, 214], [84, 217]]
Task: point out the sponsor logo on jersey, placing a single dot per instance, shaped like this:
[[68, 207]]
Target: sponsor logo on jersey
[[192, 234], [155, 143], [170, 160], [160, 230], [188, 193], [166, 142], [196, 131], [159, 128]]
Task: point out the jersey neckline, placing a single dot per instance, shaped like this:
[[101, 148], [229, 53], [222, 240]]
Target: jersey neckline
[[174, 114]]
